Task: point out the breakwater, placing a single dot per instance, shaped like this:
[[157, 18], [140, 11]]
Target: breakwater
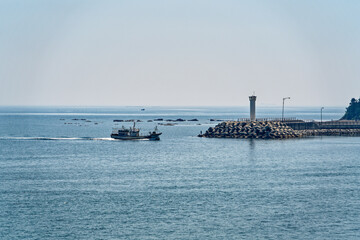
[[307, 125], [255, 129], [269, 130], [330, 132]]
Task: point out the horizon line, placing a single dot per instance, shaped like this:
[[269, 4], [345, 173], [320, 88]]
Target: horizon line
[[144, 106]]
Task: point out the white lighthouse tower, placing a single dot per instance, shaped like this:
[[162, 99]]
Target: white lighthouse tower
[[252, 107]]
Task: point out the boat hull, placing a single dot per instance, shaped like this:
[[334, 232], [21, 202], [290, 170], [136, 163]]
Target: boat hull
[[152, 137]]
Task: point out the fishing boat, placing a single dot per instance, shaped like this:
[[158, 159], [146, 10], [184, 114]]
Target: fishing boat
[[133, 133]]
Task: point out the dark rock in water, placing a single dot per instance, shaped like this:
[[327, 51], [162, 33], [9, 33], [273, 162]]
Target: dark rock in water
[[170, 120], [180, 120], [138, 121], [75, 119], [159, 119], [193, 120], [149, 120], [212, 120], [167, 124], [118, 120], [130, 120]]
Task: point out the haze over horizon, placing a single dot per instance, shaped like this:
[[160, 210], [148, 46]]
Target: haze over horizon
[[180, 53]]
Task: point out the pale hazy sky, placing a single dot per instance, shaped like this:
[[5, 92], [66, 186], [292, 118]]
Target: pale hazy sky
[[179, 52]]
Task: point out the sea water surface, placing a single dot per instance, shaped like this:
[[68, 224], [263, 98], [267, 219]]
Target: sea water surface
[[62, 178]]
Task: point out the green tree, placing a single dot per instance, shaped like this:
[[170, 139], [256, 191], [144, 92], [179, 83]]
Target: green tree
[[353, 111]]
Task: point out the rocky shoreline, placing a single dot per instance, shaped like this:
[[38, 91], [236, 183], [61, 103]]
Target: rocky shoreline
[[269, 130], [158, 120]]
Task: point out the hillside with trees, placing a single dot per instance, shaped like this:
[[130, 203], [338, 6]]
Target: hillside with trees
[[353, 111]]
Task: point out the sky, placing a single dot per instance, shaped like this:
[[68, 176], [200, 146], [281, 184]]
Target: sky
[[179, 52]]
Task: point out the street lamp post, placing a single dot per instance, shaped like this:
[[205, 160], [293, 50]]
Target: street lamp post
[[321, 115], [283, 107]]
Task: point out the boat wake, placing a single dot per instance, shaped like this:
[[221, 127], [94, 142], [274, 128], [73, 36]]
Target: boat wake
[[57, 138]]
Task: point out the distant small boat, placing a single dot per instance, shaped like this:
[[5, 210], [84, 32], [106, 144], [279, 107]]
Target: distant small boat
[[143, 109], [133, 133]]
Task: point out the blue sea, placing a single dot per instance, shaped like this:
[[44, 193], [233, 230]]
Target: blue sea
[[62, 178]]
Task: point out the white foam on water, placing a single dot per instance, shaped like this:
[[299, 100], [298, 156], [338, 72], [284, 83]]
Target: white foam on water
[[104, 139], [56, 138]]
